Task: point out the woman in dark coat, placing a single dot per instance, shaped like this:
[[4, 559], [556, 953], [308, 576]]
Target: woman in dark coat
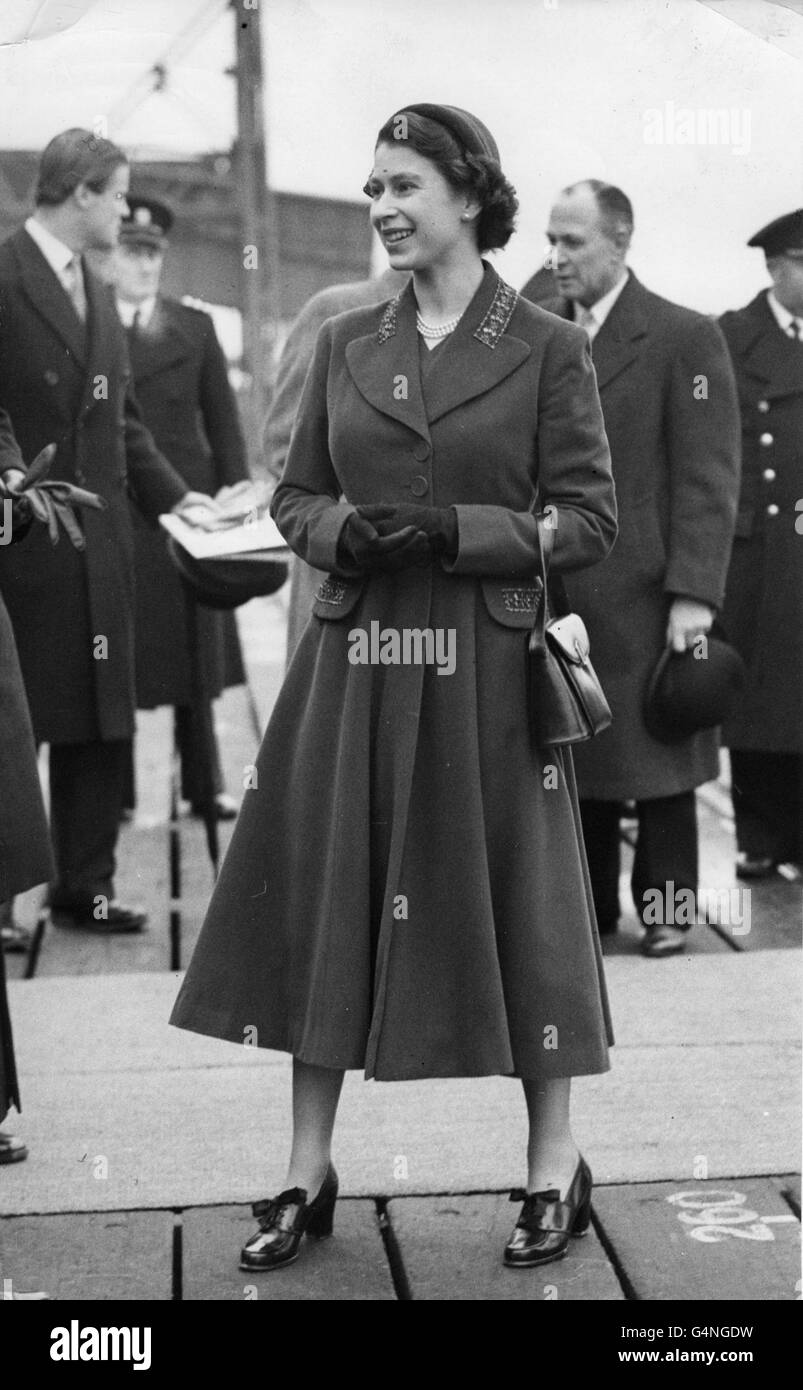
[[406, 890]]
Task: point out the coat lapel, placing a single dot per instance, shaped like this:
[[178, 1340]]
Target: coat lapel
[[159, 346], [102, 350], [764, 353], [48, 296], [479, 354], [622, 335]]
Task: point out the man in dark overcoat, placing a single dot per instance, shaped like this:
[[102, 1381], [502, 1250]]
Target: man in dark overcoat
[[671, 416], [764, 595], [182, 386], [65, 378]]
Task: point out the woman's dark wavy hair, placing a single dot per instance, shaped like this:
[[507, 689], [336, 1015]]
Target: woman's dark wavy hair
[[467, 173]]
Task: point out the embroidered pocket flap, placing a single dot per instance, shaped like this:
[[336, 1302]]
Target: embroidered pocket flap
[[335, 597], [512, 603]]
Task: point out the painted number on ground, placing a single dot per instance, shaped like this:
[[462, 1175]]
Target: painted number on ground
[[712, 1215]]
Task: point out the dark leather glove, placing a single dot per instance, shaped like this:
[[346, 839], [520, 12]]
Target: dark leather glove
[[439, 524], [360, 545], [52, 502]]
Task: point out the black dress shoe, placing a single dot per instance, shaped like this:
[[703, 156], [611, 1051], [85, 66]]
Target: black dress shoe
[[546, 1223], [12, 1150], [117, 917], [16, 938], [283, 1220]]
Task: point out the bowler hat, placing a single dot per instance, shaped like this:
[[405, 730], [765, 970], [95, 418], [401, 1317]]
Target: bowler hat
[[693, 690], [227, 581]]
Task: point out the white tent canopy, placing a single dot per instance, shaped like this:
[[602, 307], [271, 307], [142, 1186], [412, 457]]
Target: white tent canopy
[[694, 108]]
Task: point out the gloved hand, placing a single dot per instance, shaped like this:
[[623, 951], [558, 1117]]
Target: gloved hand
[[439, 524], [361, 545], [50, 502]]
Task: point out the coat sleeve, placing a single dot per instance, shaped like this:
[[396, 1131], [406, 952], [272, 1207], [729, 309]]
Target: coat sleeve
[[703, 440], [573, 477], [293, 366], [154, 483], [306, 505], [220, 414]]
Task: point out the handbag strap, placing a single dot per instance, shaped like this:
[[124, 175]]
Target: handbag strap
[[546, 539]]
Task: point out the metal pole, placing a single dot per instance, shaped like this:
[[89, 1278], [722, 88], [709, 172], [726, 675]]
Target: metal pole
[[260, 258]]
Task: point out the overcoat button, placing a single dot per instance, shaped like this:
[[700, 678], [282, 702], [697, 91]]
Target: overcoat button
[[421, 450], [769, 475], [419, 486], [79, 476], [772, 510], [763, 407], [51, 377], [766, 440]]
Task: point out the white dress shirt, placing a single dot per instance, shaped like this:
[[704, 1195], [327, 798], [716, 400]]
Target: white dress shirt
[[592, 318], [145, 309], [788, 322], [58, 255]]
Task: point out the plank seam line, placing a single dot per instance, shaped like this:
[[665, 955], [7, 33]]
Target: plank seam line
[[613, 1259], [398, 1273]]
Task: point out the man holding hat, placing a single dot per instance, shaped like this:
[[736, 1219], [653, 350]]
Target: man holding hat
[[763, 612], [183, 390]]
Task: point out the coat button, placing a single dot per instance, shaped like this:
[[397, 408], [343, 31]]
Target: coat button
[[769, 475], [51, 377], [421, 450], [80, 476], [772, 510], [766, 440], [419, 486], [763, 407]]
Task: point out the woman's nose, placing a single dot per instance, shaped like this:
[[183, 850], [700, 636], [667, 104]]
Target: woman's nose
[[382, 207]]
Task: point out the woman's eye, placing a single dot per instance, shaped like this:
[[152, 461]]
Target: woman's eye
[[370, 189]]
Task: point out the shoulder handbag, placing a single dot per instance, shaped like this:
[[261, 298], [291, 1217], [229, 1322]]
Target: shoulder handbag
[[566, 700]]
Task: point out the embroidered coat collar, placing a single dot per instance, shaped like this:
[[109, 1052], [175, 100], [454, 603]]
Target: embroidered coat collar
[[479, 354]]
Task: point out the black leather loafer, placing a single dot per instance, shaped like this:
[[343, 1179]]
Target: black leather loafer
[[118, 917], [12, 1150], [546, 1223], [283, 1220]]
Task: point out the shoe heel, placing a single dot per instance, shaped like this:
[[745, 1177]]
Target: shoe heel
[[322, 1219], [322, 1212], [583, 1218]]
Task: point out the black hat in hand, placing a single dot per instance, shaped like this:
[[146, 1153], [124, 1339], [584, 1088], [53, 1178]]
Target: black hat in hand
[[693, 690]]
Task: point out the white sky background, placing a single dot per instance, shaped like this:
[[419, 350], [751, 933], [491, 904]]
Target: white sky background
[[563, 84]]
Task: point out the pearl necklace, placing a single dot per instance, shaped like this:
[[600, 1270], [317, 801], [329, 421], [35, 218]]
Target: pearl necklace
[[440, 330]]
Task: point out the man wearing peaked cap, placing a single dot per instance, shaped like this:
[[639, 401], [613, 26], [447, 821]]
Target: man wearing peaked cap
[[763, 612], [182, 385]]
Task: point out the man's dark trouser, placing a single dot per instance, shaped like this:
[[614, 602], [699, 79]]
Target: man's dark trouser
[[87, 782], [766, 794], [190, 785], [666, 851]]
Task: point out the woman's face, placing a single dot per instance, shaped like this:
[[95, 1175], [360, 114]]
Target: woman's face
[[419, 217]]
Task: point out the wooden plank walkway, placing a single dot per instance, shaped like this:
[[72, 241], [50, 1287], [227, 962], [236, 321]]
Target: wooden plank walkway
[[724, 1241], [451, 1250], [731, 1240]]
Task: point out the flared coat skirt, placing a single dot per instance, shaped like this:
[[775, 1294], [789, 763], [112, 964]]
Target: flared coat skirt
[[406, 890]]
